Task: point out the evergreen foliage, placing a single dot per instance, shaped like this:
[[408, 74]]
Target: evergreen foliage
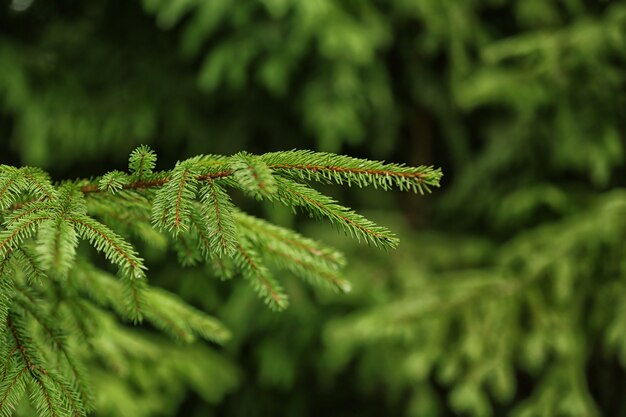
[[55, 295], [507, 302]]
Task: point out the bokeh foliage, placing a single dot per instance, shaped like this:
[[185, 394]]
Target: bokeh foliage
[[508, 300]]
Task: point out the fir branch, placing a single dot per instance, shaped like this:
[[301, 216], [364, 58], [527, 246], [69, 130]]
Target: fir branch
[[159, 180], [202, 234], [11, 183], [8, 359], [141, 162], [20, 230], [171, 197], [19, 345], [191, 202], [128, 213], [172, 204], [54, 397], [23, 258], [327, 167], [39, 182], [293, 194], [118, 251], [17, 181], [7, 355], [178, 217], [12, 388], [26, 209], [252, 175], [133, 296], [289, 250], [6, 298], [31, 304], [218, 213], [48, 408], [257, 273], [56, 245], [113, 181], [135, 185], [200, 230], [271, 233], [70, 397], [115, 249]]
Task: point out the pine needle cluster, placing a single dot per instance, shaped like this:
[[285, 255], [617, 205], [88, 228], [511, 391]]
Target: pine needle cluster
[[54, 292]]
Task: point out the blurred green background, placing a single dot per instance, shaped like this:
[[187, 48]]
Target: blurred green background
[[507, 294]]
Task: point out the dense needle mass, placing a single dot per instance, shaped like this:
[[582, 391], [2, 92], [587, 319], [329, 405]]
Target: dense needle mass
[[43, 267]]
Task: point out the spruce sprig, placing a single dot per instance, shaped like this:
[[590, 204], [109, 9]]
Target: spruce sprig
[[53, 297], [191, 204], [340, 169]]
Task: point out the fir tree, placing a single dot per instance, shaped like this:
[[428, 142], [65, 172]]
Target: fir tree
[[55, 294]]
